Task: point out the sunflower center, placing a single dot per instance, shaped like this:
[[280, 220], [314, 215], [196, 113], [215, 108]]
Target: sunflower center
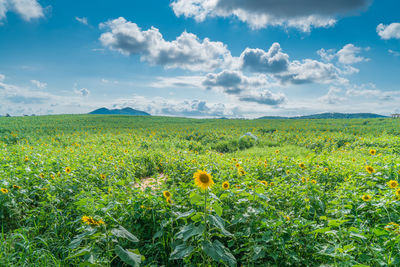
[[225, 185], [204, 178]]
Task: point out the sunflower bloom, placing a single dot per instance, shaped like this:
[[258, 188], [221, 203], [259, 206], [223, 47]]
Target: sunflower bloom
[[203, 179], [397, 192], [369, 169], [166, 194], [225, 185], [16, 187], [68, 170], [313, 181], [393, 184], [366, 197], [372, 152], [4, 191], [168, 200], [264, 183], [90, 221], [301, 165]]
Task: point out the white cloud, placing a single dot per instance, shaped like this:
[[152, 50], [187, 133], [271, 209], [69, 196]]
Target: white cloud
[[301, 14], [187, 51], [348, 55], [38, 84], [2, 77], [174, 107], [257, 60], [391, 31], [82, 20], [394, 53], [311, 71], [83, 92], [178, 81], [264, 97], [332, 97], [27, 9]]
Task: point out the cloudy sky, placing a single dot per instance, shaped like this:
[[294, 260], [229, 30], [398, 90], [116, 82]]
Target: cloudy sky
[[200, 58]]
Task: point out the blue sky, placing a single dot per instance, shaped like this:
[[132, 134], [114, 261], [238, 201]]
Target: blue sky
[[200, 58]]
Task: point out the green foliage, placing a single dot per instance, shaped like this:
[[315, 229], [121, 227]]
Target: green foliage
[[294, 196]]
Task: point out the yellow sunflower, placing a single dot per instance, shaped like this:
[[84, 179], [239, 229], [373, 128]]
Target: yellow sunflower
[[241, 171], [264, 183], [393, 184], [313, 181], [41, 175], [16, 187], [203, 179], [397, 192], [4, 191], [166, 194], [168, 200], [102, 176], [366, 197], [301, 165], [225, 185], [372, 152], [369, 169], [68, 170]]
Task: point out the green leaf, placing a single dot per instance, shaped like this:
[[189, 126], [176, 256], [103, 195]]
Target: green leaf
[[218, 252], [217, 209], [190, 230], [322, 230], [195, 198], [181, 252], [128, 257], [219, 223], [197, 217], [81, 252], [184, 214], [123, 233]]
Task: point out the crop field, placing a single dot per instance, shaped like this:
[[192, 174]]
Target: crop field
[[88, 190]]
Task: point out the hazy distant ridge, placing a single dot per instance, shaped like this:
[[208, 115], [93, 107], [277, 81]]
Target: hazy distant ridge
[[123, 111], [330, 116]]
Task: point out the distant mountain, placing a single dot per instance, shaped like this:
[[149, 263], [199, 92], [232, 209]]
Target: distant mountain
[[123, 111], [330, 116]]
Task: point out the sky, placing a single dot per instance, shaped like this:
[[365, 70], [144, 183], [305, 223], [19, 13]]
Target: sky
[[200, 58]]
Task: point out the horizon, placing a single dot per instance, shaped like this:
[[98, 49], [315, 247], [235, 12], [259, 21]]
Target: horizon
[[199, 58]]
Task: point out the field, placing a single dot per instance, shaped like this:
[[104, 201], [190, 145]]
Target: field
[[77, 190]]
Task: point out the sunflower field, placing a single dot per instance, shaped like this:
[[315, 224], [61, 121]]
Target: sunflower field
[[88, 190]]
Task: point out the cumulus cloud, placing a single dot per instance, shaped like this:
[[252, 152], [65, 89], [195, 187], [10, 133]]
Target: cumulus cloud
[[348, 55], [311, 71], [333, 97], [38, 84], [264, 97], [27, 9], [391, 31], [82, 20], [187, 51], [173, 107], [244, 88], [234, 82], [257, 60], [302, 14]]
